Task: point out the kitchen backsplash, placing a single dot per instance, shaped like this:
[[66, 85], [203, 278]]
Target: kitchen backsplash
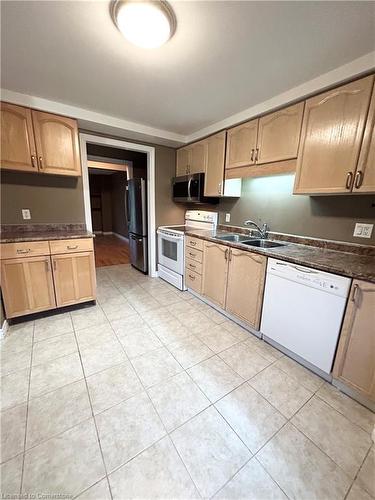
[[270, 200]]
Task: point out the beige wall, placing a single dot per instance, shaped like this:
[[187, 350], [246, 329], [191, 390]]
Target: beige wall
[[270, 199], [50, 198], [167, 212], [54, 199]]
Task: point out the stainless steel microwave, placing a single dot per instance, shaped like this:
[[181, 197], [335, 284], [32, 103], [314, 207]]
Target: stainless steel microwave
[[190, 189]]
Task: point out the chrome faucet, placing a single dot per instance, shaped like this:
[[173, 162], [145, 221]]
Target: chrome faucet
[[262, 231]]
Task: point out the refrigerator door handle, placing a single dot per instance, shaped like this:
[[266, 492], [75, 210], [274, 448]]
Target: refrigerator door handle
[[144, 206]]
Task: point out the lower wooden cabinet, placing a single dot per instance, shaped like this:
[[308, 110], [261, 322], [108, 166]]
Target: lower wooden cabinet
[[245, 285], [215, 270], [355, 358], [234, 280], [27, 285], [74, 276], [33, 280]]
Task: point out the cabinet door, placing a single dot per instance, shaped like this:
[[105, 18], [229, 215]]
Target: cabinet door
[[332, 130], [74, 276], [183, 161], [214, 179], [245, 286], [364, 181], [279, 133], [198, 161], [241, 145], [355, 358], [27, 285], [56, 140], [17, 139], [215, 270]]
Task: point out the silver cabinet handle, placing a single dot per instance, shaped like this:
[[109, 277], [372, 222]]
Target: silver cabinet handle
[[349, 179], [230, 254], [191, 277], [54, 265], [192, 265], [256, 154], [41, 163], [358, 179], [192, 243], [21, 250], [252, 155], [219, 188], [47, 265], [72, 248], [226, 253], [354, 293], [34, 161]]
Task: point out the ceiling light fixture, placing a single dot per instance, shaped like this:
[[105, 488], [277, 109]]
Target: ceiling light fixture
[[148, 24]]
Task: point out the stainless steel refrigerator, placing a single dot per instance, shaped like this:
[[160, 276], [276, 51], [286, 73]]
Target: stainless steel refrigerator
[[137, 223]]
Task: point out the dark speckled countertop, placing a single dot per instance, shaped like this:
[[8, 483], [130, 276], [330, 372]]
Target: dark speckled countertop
[[41, 232], [345, 263]]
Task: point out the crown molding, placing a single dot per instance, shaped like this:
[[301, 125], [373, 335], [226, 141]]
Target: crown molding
[[97, 122], [357, 67]]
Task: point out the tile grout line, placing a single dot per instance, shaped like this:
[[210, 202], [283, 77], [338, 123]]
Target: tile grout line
[[160, 419], [93, 417], [27, 411]]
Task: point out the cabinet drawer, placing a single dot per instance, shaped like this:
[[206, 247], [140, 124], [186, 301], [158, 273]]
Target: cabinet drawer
[[70, 246], [195, 243], [192, 265], [194, 254], [26, 248], [193, 280]]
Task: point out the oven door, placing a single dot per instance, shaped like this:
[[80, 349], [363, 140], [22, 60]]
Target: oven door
[[171, 251]]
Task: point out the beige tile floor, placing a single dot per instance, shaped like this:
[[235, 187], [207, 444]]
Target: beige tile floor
[[153, 394]]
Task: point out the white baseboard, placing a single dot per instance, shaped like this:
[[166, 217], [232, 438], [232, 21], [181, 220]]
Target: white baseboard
[[121, 237], [98, 232], [4, 329], [107, 232]]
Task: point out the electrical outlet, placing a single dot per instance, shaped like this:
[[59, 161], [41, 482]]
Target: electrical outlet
[[363, 230], [26, 215], [227, 217]]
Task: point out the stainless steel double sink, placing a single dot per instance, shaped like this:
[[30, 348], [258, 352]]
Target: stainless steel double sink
[[253, 242]]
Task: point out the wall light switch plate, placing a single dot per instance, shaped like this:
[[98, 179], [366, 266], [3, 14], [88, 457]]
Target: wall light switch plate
[[26, 215], [227, 217], [363, 230]]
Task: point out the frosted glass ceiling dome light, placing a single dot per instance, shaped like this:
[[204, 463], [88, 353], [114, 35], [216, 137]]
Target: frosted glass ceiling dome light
[[148, 24]]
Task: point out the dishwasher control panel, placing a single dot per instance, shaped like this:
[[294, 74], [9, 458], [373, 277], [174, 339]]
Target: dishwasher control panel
[[331, 283]]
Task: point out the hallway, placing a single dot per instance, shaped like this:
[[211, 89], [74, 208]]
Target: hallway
[[110, 250]]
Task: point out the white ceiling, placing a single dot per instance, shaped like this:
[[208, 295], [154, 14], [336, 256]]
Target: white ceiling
[[226, 56]]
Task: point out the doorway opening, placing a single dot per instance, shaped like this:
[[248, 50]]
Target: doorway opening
[[116, 187]]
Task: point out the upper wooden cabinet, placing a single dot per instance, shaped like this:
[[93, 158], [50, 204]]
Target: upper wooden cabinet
[[279, 134], [183, 161], [192, 159], [271, 138], [214, 180], [18, 151], [355, 358], [241, 145], [215, 269], [198, 161], [364, 180], [27, 285], [246, 276], [33, 141], [56, 140], [331, 138]]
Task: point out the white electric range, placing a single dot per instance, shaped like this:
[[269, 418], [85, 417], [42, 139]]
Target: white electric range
[[171, 246]]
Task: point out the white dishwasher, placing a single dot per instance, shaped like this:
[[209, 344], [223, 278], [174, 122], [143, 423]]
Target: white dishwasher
[[303, 310]]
